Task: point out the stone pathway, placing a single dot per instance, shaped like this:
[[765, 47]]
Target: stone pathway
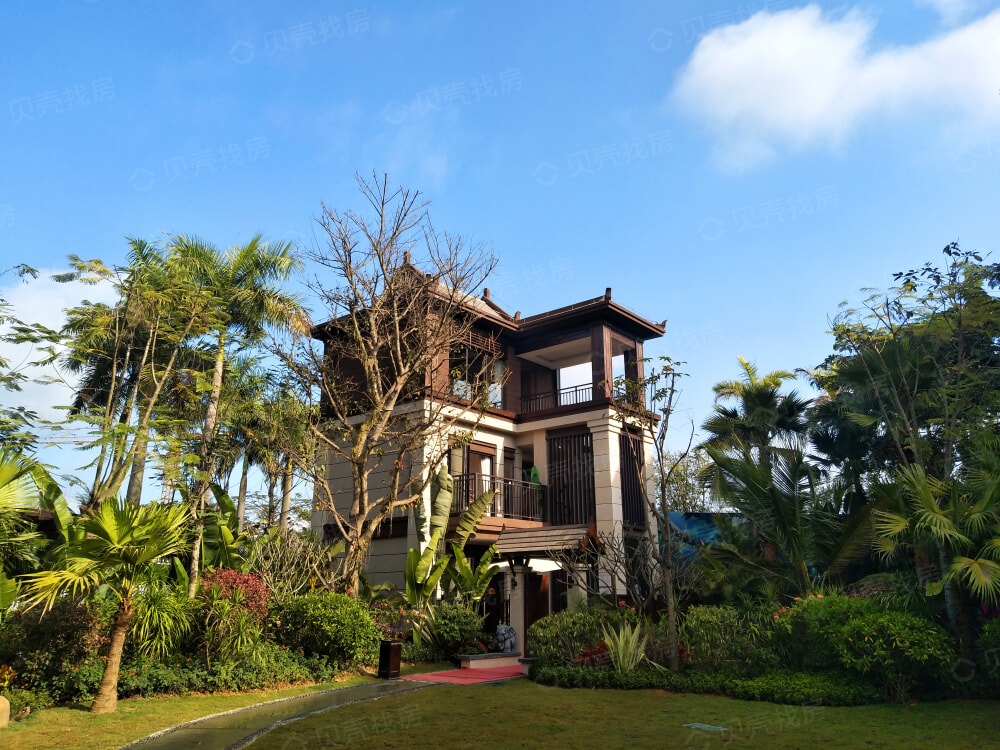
[[236, 729]]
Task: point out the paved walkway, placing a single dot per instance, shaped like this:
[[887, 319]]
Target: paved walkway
[[469, 676], [238, 728]]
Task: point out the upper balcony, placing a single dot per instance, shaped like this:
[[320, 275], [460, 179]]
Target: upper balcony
[[515, 502]]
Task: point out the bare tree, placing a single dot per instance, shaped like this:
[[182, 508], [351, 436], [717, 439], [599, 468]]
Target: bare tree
[[398, 310], [627, 568], [643, 406]]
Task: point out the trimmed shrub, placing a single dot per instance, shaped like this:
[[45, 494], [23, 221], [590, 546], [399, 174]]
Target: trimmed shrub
[[270, 664], [897, 650], [560, 639], [411, 652], [796, 688], [807, 635], [328, 624], [713, 636], [455, 628]]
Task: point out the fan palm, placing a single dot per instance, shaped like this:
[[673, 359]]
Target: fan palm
[[18, 493], [119, 546]]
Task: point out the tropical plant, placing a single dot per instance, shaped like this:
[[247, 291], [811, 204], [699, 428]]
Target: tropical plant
[[244, 284], [121, 543], [627, 646], [779, 497], [466, 583], [128, 355], [19, 541]]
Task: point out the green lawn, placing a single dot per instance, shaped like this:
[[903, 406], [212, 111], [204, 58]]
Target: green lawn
[[520, 714], [76, 729]]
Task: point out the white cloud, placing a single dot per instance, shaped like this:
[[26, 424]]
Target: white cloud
[[951, 11], [799, 79]]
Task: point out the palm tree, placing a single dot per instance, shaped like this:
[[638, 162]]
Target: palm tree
[[18, 493], [779, 497], [761, 416], [244, 283], [118, 548]]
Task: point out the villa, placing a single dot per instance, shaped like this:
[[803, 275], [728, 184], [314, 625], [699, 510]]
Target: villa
[[550, 445]]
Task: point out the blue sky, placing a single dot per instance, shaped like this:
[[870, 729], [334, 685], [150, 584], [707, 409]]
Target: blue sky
[[738, 169]]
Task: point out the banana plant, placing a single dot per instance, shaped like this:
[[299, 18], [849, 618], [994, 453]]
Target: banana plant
[[468, 583], [423, 573]]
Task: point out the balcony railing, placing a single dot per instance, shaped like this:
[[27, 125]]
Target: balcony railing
[[579, 394], [514, 498]]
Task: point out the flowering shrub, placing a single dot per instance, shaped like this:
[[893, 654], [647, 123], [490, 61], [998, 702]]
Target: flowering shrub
[[50, 651], [807, 634], [393, 622], [254, 592]]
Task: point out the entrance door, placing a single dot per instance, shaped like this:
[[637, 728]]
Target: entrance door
[[536, 598]]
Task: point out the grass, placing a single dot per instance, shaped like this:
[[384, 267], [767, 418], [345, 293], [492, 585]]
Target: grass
[[521, 714], [74, 728]]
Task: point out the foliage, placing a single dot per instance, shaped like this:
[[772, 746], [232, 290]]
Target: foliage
[[448, 628], [232, 628], [328, 624], [47, 650], [712, 635], [18, 493], [794, 688], [254, 593], [559, 639], [897, 650], [808, 634], [119, 549], [423, 572], [23, 702], [627, 646], [422, 652], [776, 491], [466, 583], [164, 617], [291, 564]]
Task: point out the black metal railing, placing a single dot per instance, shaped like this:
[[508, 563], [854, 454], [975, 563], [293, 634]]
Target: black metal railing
[[514, 498], [578, 394]]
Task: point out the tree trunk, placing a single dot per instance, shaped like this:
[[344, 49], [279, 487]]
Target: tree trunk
[[139, 448], [241, 500], [107, 694], [202, 486], [286, 496], [668, 580]]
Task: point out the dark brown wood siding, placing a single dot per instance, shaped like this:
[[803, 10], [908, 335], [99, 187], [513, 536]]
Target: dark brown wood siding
[[571, 478], [633, 510]]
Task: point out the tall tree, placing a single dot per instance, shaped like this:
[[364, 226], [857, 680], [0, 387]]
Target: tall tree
[[127, 353], [926, 354], [245, 283], [380, 380]]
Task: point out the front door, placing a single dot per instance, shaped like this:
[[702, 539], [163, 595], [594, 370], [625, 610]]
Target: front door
[[536, 598]]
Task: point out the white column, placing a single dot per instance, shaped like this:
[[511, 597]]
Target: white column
[[517, 587]]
